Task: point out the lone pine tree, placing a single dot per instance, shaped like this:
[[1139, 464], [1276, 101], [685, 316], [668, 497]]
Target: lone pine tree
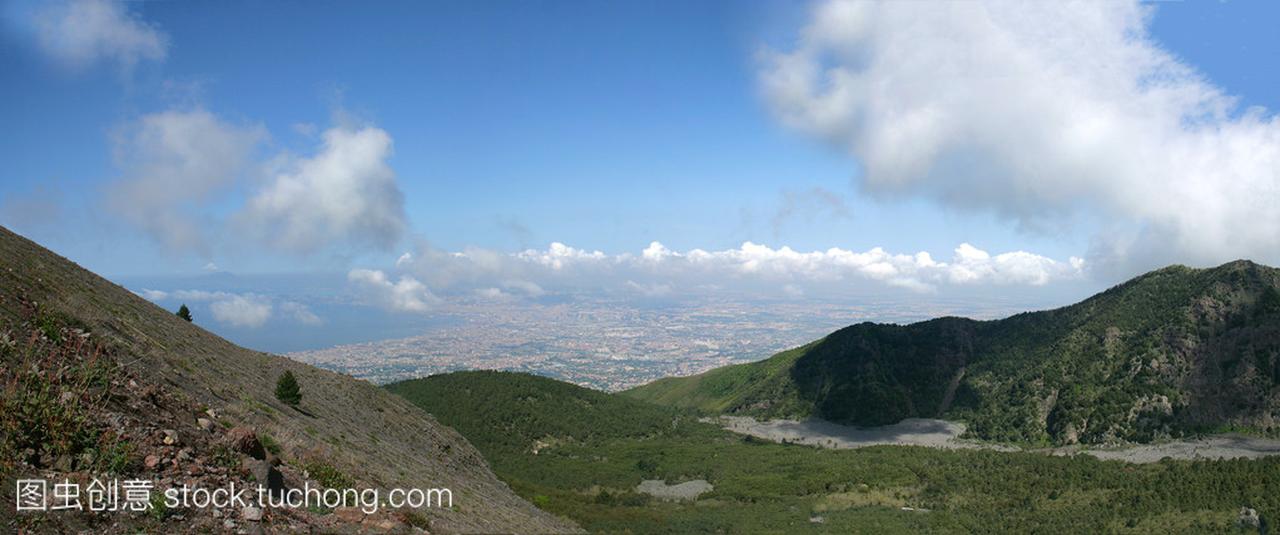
[[287, 389]]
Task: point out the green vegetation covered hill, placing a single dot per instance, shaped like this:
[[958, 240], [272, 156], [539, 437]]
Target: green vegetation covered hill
[[756, 385], [1174, 351], [537, 412], [97, 380], [582, 453]]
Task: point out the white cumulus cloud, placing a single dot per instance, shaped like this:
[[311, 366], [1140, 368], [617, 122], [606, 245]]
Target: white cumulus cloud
[[238, 309], [558, 255], [81, 32], [347, 193], [300, 313], [242, 310], [183, 169], [153, 295], [174, 163], [404, 295], [660, 271], [1038, 112]]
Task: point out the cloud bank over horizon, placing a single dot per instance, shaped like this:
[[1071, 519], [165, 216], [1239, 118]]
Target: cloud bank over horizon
[[658, 272], [1042, 113], [247, 310]]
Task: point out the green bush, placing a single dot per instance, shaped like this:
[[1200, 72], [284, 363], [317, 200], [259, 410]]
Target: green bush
[[270, 443], [326, 474]]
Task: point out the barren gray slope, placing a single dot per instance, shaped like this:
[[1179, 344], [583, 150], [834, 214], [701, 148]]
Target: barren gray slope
[[374, 436]]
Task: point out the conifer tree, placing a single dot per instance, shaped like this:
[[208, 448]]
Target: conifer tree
[[287, 389]]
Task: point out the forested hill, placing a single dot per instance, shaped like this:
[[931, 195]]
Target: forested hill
[[535, 411], [1173, 351]]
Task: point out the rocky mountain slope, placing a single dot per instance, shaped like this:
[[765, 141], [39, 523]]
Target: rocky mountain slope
[[1175, 351], [100, 381]]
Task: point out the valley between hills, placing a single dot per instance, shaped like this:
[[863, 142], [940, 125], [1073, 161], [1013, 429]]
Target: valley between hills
[[100, 382], [1147, 408]]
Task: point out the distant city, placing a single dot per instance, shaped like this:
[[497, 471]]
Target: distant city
[[612, 345]]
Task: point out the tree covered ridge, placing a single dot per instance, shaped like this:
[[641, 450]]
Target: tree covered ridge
[[536, 411], [1174, 351]]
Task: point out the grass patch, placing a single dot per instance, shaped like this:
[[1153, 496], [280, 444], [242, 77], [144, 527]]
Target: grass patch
[[159, 511], [270, 443], [326, 474], [224, 456]]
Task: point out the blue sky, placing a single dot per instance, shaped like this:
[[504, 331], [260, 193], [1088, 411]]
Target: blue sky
[[501, 127]]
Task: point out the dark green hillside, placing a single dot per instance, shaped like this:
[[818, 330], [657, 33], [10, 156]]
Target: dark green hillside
[[765, 487], [536, 412], [1174, 351], [763, 386]]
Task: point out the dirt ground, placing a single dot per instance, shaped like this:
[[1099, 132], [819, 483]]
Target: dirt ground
[[689, 490], [944, 434]]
